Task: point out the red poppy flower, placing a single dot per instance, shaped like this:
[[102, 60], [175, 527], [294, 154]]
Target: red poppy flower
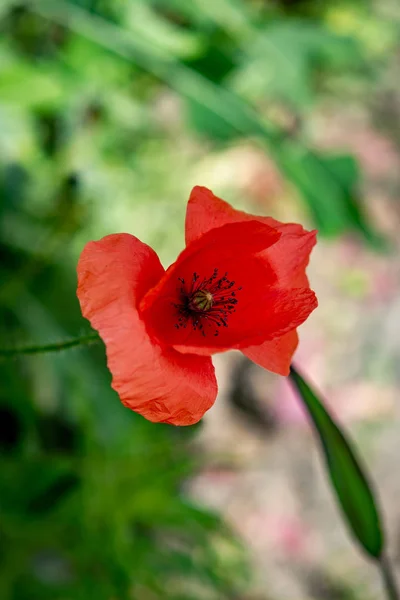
[[239, 283]]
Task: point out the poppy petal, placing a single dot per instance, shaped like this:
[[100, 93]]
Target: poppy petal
[[274, 355], [161, 384], [288, 257], [224, 260], [276, 314]]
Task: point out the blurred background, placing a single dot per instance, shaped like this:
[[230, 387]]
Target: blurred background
[[110, 111]]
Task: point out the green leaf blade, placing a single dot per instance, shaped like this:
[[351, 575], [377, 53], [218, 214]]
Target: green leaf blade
[[353, 490]]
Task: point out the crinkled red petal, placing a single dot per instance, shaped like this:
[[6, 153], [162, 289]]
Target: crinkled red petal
[[276, 313], [232, 250], [274, 355], [159, 383], [288, 257]]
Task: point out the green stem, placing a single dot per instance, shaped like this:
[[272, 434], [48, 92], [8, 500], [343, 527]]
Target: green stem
[[91, 338], [389, 580]]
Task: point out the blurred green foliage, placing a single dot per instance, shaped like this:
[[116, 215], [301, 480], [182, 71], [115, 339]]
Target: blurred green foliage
[[91, 496]]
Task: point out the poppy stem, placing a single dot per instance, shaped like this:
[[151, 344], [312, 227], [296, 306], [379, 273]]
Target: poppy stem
[[91, 338], [389, 580]]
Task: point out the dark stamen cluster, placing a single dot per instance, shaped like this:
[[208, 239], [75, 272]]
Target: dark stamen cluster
[[206, 302]]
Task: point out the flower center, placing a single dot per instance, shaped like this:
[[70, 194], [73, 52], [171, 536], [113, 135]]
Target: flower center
[[202, 301], [206, 304]]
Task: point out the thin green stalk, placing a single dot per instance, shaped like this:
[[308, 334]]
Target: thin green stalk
[[389, 580], [91, 338]]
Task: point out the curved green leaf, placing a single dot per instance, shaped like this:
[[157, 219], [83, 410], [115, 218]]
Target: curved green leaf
[[349, 480]]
